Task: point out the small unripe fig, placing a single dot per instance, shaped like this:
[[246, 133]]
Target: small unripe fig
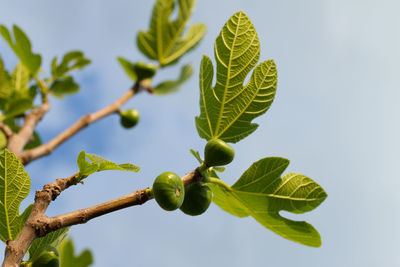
[[46, 259], [197, 199], [129, 118], [169, 191], [218, 153], [144, 70]]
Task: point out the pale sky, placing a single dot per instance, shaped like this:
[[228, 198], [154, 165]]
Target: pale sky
[[334, 116]]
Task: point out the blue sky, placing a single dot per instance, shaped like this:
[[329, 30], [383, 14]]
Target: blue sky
[[335, 116]]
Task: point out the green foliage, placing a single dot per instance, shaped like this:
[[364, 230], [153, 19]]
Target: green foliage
[[171, 86], [164, 41], [262, 193], [227, 109], [35, 142], [128, 67], [19, 96], [14, 187], [98, 164], [61, 87], [21, 46], [52, 239], [6, 87], [72, 60], [3, 140], [63, 83], [68, 258]]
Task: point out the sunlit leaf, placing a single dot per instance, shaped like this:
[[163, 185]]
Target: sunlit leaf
[[72, 60], [227, 109], [22, 48], [164, 41], [52, 239], [14, 187], [6, 87], [262, 193], [127, 66], [98, 164]]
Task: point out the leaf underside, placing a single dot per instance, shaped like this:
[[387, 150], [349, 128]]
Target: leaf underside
[[164, 41], [14, 187], [227, 109], [99, 163], [52, 239], [261, 193]]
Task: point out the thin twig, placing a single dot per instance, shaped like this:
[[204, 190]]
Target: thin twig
[[47, 148], [38, 224]]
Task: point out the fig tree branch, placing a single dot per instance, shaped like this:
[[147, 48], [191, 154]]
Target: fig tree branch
[[47, 148], [38, 224]]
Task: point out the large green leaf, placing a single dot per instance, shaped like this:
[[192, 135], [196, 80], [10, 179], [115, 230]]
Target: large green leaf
[[227, 109], [163, 40], [98, 164], [171, 86], [262, 193], [22, 48], [52, 239], [68, 258], [14, 187]]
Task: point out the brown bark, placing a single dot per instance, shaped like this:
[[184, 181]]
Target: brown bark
[[38, 224]]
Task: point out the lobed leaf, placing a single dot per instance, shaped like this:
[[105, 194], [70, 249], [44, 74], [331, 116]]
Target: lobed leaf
[[163, 41], [22, 48], [14, 187], [227, 109], [98, 164], [68, 258], [261, 193], [171, 86]]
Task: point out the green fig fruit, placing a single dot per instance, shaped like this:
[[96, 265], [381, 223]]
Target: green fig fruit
[[169, 191], [129, 118], [218, 153], [144, 70], [197, 199]]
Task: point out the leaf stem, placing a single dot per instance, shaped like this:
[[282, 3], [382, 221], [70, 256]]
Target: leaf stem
[[221, 183]]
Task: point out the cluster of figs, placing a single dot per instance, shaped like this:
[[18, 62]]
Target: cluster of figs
[[171, 194]]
